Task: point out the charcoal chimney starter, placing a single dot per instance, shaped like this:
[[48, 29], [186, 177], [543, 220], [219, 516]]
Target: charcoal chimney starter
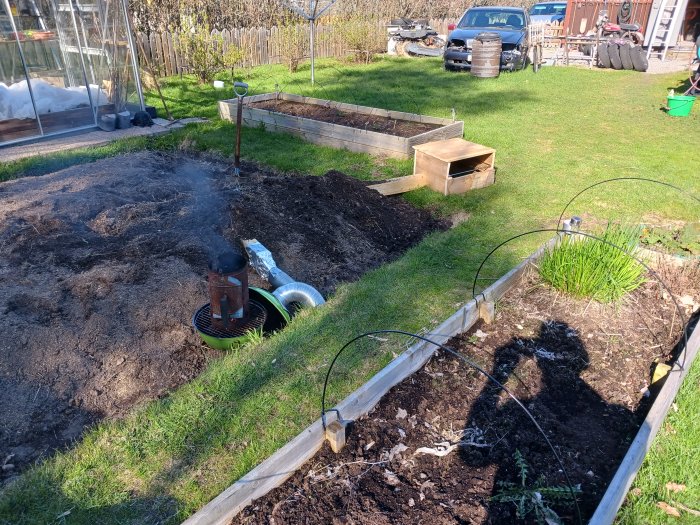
[[228, 290]]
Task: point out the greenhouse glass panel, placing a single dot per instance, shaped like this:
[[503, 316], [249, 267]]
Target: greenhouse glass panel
[[63, 65]]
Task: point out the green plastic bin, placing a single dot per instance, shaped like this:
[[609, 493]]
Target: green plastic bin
[[680, 105]]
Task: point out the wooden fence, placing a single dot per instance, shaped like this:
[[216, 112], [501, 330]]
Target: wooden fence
[[261, 45]]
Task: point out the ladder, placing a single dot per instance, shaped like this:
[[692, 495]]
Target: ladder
[[664, 25]]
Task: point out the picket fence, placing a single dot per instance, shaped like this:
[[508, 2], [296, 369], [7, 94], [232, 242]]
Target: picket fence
[[263, 45]]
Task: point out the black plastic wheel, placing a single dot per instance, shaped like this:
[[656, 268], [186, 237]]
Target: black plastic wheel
[[639, 59], [603, 56], [614, 54], [625, 56]]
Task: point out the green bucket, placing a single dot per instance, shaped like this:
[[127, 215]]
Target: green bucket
[[680, 105]]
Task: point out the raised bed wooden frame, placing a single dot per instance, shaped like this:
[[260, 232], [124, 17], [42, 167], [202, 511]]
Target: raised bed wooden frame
[[336, 135], [275, 470]]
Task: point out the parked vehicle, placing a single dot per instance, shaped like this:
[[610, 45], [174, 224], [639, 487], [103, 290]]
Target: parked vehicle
[[547, 12], [510, 23]]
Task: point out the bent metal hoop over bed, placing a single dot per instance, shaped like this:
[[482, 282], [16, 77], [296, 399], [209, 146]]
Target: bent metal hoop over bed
[[275, 470]]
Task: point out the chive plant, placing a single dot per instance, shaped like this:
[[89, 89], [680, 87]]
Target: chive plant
[[589, 268]]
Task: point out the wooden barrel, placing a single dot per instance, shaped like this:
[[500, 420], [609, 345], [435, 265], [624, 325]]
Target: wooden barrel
[[486, 55]]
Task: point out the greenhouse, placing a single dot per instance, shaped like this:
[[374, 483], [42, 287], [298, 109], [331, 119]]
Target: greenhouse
[[65, 65]]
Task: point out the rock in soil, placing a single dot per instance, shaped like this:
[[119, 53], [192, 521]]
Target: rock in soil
[[103, 265]]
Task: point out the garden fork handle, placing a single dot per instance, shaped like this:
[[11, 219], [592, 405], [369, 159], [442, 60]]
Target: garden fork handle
[[241, 90]]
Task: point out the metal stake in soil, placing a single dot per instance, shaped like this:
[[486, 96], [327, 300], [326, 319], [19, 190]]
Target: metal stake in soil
[[241, 90]]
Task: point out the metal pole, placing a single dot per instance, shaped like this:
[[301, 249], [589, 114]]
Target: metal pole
[[312, 44], [82, 61], [24, 65], [241, 90], [134, 55]]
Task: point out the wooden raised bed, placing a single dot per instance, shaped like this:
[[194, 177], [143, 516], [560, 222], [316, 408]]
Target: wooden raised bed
[[274, 471], [337, 135]]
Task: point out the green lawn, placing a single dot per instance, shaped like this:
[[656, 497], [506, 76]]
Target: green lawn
[[555, 132]]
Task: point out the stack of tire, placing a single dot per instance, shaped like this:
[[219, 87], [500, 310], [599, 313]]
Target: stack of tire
[[619, 53]]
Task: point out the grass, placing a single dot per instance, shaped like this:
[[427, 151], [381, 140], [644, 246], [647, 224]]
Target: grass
[[555, 132], [595, 269]]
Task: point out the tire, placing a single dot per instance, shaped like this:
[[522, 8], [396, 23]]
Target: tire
[[639, 59], [614, 54], [603, 56], [637, 38], [625, 56], [587, 50]]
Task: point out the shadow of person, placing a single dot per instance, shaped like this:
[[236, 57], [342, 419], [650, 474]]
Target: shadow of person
[[589, 434]]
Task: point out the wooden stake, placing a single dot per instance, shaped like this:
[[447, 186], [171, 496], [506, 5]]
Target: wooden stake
[[335, 434], [487, 311]]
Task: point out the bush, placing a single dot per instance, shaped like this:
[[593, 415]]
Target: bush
[[205, 53], [360, 36], [588, 268], [293, 43]]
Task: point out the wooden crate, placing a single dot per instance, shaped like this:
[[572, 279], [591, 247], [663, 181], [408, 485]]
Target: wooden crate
[[337, 135], [450, 166], [455, 166]]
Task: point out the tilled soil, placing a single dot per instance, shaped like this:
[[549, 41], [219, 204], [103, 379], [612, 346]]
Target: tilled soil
[[390, 126], [102, 266], [582, 369]]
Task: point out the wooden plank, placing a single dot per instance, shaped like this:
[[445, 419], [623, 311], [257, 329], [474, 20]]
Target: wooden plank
[[454, 149], [622, 481], [400, 184], [172, 55], [436, 171], [317, 130], [453, 130], [473, 181]]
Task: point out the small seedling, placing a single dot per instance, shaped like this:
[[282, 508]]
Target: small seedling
[[534, 499]]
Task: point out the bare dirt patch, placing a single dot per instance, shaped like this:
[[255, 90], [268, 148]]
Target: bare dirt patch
[[102, 266], [581, 368], [390, 126]]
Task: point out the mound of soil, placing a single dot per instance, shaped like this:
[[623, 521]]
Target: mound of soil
[[104, 264], [582, 369], [390, 126]]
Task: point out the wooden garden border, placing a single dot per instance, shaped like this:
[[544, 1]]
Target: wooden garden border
[[279, 467], [276, 469], [337, 135]]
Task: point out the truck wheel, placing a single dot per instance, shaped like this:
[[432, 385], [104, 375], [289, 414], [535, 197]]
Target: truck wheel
[[639, 59], [614, 54], [603, 56], [625, 56]]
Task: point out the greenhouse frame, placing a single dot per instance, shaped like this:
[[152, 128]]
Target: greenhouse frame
[[65, 65]]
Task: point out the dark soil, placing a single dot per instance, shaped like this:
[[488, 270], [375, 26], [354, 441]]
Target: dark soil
[[102, 266], [400, 128], [582, 369]]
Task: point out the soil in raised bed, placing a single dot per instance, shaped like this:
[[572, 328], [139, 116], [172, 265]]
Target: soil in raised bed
[[103, 264], [390, 126], [582, 369]]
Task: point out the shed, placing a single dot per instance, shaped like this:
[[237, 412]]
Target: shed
[[64, 64]]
